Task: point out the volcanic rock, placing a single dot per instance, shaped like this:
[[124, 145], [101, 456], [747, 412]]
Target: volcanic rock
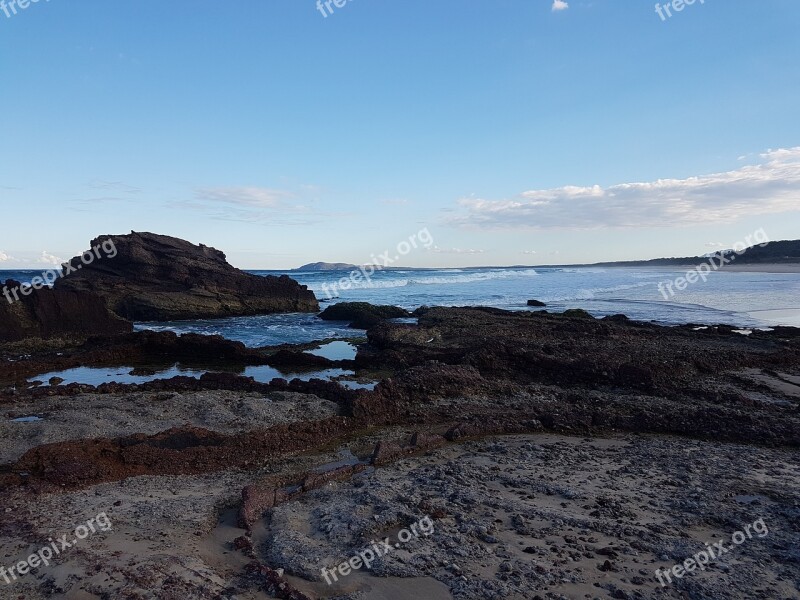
[[49, 313], [159, 278], [362, 315]]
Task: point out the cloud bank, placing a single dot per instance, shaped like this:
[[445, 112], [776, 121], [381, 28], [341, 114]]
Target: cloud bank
[[768, 187]]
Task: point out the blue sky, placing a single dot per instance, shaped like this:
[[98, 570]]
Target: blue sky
[[514, 132]]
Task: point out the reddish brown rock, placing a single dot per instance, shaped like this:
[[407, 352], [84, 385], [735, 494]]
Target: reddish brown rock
[[178, 451], [275, 584], [258, 498], [386, 452]]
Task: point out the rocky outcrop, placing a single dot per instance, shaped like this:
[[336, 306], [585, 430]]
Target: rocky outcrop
[[48, 314], [362, 315], [159, 278], [460, 373]]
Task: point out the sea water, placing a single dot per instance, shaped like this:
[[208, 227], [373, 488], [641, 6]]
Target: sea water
[[742, 299]]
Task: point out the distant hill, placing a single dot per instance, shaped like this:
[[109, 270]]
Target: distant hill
[[786, 252], [325, 266], [775, 252]]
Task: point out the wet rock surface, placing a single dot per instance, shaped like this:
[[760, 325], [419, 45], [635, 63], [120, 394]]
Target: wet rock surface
[[577, 374], [362, 315]]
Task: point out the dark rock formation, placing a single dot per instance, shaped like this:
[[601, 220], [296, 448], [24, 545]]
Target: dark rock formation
[[362, 315], [536, 303], [48, 313], [461, 373], [287, 358], [159, 278]]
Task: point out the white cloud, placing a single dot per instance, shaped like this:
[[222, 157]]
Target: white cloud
[[115, 186], [715, 245], [439, 250], [560, 5], [50, 259], [768, 187], [256, 205], [529, 251], [5, 257], [103, 192], [244, 196]]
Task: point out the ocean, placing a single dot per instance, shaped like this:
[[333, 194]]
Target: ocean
[[745, 300]]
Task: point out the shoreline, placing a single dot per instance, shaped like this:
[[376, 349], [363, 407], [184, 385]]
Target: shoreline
[[784, 317], [765, 268], [741, 268]]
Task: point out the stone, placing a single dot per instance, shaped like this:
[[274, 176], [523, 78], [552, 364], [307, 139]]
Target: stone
[[154, 277]]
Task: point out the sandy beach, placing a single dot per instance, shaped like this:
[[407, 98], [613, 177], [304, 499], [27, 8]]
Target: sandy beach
[[764, 268], [789, 316]]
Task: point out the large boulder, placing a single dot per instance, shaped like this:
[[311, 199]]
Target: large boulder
[[48, 313], [362, 315], [150, 277]]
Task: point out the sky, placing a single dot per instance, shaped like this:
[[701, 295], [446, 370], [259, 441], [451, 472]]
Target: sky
[[510, 131]]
